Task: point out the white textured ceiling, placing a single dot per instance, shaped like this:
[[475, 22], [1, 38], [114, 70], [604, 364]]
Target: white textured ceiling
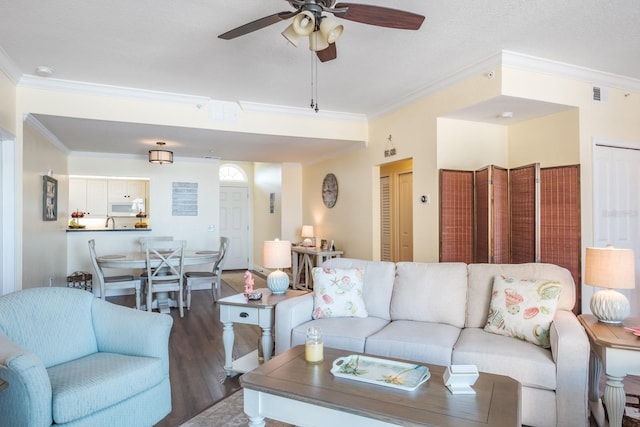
[[172, 46]]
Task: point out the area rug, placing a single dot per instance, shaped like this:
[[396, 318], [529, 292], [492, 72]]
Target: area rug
[[227, 413]]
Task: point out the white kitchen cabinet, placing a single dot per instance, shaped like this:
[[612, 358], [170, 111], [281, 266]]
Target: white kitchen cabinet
[[88, 196], [123, 190]]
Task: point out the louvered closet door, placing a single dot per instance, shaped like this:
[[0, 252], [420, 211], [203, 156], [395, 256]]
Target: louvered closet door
[[385, 219], [456, 216], [524, 190]]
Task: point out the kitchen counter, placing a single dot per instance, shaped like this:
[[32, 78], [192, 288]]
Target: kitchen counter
[[73, 230]]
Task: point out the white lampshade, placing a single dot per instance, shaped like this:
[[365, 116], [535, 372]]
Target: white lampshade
[[610, 268], [331, 29], [277, 254], [307, 233]]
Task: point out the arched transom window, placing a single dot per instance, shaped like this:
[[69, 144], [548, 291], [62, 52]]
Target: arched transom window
[[232, 173]]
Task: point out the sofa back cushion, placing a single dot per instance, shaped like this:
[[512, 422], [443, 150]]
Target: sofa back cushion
[[378, 283], [53, 323], [430, 292], [481, 284]]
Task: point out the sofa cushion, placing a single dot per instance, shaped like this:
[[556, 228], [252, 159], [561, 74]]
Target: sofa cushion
[[345, 333], [378, 283], [435, 292], [87, 385], [523, 309], [418, 341], [530, 364], [481, 284], [338, 292]]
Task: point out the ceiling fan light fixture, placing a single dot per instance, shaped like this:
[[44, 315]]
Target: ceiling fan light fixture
[[317, 41], [160, 156], [330, 29], [292, 37], [304, 23]]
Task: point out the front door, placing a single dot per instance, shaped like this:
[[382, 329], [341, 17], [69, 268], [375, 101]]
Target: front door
[[234, 224]]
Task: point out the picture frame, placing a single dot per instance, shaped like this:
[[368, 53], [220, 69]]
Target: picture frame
[[49, 198], [324, 244]]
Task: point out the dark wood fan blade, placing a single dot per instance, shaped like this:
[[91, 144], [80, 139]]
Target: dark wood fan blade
[[380, 16], [257, 25], [328, 54]]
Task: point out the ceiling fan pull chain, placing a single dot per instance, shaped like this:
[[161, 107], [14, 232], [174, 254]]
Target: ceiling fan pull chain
[[315, 57], [312, 103]]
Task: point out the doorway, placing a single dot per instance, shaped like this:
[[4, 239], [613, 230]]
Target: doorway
[[396, 211], [234, 224], [7, 215], [616, 203]]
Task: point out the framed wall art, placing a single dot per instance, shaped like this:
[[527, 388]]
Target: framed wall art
[[49, 199]]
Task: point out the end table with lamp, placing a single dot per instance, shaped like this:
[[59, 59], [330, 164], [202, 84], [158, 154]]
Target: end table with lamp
[[615, 345]]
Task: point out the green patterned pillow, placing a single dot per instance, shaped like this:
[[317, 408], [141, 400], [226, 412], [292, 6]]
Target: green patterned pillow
[[523, 309], [338, 293]]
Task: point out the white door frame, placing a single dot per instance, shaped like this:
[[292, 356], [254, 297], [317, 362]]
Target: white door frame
[[7, 213]]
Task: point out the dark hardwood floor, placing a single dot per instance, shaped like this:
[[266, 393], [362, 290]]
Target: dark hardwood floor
[[196, 356]]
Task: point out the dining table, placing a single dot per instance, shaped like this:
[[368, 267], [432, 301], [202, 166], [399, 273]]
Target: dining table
[[137, 260]]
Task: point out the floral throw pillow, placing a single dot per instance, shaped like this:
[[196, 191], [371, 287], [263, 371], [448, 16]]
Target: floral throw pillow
[[338, 293], [523, 309]]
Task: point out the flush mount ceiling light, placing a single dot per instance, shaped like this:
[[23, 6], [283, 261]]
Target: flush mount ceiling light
[[44, 71], [160, 156]]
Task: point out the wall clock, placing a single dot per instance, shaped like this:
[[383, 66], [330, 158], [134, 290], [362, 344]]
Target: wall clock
[[330, 190]]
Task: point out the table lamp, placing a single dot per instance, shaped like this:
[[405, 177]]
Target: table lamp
[[610, 268], [307, 235], [277, 254]]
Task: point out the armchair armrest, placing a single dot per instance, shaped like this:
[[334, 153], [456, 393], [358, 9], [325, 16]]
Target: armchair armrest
[[27, 400], [127, 331], [289, 314], [570, 351]]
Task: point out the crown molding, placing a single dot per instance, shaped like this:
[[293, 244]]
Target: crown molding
[[255, 107], [37, 125], [9, 67], [35, 82], [520, 61], [562, 69]]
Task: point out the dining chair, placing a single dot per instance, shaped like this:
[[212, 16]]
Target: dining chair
[[165, 271], [112, 282], [213, 276], [143, 243]]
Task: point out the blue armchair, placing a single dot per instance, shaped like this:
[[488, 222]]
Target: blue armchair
[[74, 360]]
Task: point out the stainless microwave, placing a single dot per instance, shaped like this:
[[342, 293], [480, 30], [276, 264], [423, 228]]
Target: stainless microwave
[[128, 208]]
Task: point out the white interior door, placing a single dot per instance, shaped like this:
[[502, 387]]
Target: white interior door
[[234, 224], [616, 204]]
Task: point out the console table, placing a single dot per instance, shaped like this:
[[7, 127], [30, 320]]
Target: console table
[[618, 351], [304, 259]]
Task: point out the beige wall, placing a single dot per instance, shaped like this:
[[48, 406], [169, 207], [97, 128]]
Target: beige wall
[[44, 249], [552, 140], [469, 145]]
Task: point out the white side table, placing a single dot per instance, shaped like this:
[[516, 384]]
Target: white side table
[[238, 309], [618, 351]]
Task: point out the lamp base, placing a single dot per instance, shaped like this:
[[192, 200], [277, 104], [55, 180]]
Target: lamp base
[[307, 242], [278, 282], [610, 306]]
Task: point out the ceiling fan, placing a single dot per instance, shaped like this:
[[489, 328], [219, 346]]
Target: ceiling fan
[[322, 31]]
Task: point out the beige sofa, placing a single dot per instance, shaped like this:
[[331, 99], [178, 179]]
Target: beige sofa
[[436, 313]]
